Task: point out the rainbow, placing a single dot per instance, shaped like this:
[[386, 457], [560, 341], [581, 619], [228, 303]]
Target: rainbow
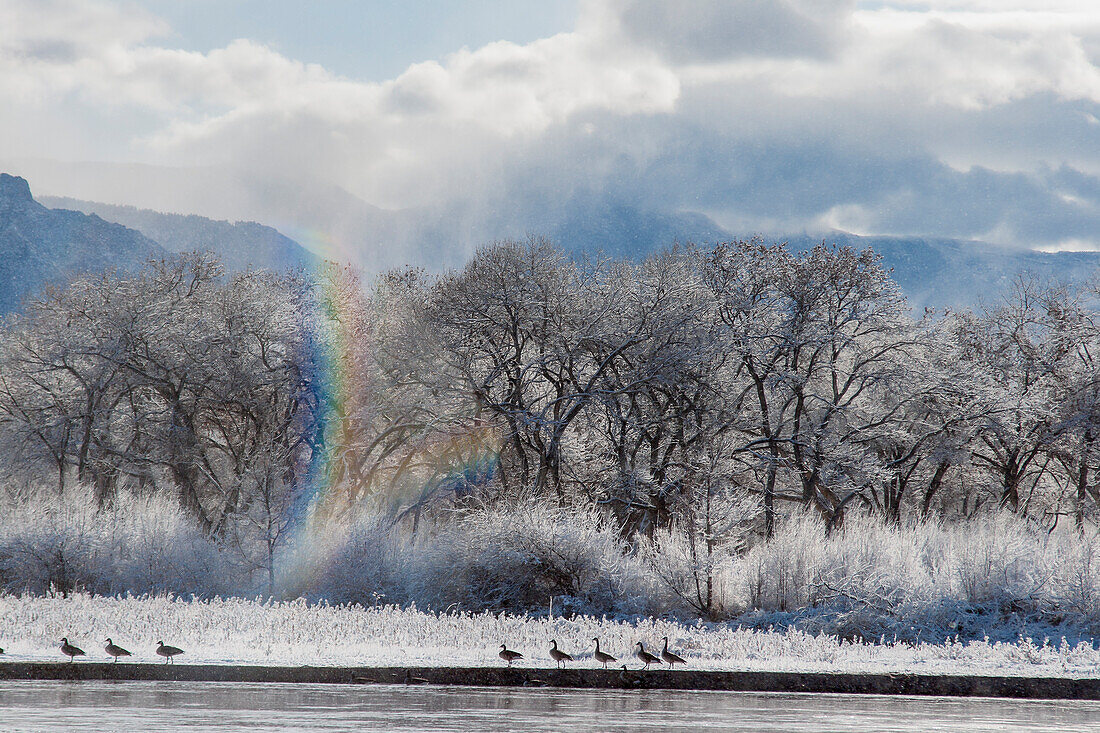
[[450, 460]]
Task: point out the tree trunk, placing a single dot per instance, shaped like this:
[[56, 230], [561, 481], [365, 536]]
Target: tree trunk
[[1083, 480], [933, 487]]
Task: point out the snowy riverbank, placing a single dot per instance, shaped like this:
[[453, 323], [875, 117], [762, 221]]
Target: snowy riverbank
[[238, 631]]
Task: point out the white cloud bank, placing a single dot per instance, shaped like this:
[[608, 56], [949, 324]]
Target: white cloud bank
[[958, 118]]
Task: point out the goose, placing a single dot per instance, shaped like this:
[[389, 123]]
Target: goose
[[645, 657], [558, 655], [72, 652], [410, 680], [529, 681], [508, 655], [630, 679], [115, 650], [167, 651], [669, 657], [601, 656]]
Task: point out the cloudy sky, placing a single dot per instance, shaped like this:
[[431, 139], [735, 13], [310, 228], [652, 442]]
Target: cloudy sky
[[963, 118]]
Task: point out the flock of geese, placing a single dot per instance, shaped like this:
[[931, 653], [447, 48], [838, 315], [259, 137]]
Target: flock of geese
[[508, 655], [114, 650], [560, 657]]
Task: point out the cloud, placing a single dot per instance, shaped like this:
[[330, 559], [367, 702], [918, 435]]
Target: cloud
[[947, 117], [46, 45], [704, 30]]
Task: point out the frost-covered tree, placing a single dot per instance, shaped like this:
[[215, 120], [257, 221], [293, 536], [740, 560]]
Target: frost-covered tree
[[817, 339], [657, 395], [1011, 347], [1070, 318], [175, 377]]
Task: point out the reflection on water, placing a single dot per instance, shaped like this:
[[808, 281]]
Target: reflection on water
[[197, 707]]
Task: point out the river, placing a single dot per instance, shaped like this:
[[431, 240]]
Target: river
[[35, 706]]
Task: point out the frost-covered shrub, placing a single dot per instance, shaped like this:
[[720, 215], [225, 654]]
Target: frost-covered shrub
[[517, 557], [135, 545], [924, 580], [694, 558], [1000, 561], [779, 572], [995, 576], [689, 580], [1075, 575], [849, 583], [365, 563], [876, 579], [48, 548]]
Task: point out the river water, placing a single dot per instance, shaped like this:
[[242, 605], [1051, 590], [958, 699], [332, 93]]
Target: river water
[[201, 707]]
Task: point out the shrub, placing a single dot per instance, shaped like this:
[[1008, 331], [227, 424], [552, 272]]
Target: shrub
[[517, 557], [135, 545]]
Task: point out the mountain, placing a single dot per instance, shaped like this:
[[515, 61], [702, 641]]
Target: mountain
[[39, 245], [954, 273], [325, 218], [317, 214], [932, 272], [240, 245], [616, 228]]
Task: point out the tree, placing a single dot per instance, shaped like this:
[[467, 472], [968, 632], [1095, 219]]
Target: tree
[[1012, 348]]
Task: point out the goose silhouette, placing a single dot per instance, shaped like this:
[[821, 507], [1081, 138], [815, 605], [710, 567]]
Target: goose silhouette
[[410, 680], [645, 657], [601, 656], [670, 658], [167, 651], [558, 655], [630, 679], [69, 650], [508, 655], [115, 650]]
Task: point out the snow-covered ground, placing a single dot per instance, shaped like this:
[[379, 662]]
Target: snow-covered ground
[[238, 631]]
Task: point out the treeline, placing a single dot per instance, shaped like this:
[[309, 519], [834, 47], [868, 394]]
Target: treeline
[[698, 395]]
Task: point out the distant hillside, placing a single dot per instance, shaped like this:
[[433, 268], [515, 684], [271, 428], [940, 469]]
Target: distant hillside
[[39, 245], [953, 273], [931, 271], [240, 245], [621, 230]]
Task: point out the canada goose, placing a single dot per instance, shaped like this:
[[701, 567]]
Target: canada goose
[[630, 679], [72, 652], [115, 650], [669, 657], [529, 681], [410, 680], [508, 655], [645, 657], [167, 651], [601, 656], [558, 655]]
